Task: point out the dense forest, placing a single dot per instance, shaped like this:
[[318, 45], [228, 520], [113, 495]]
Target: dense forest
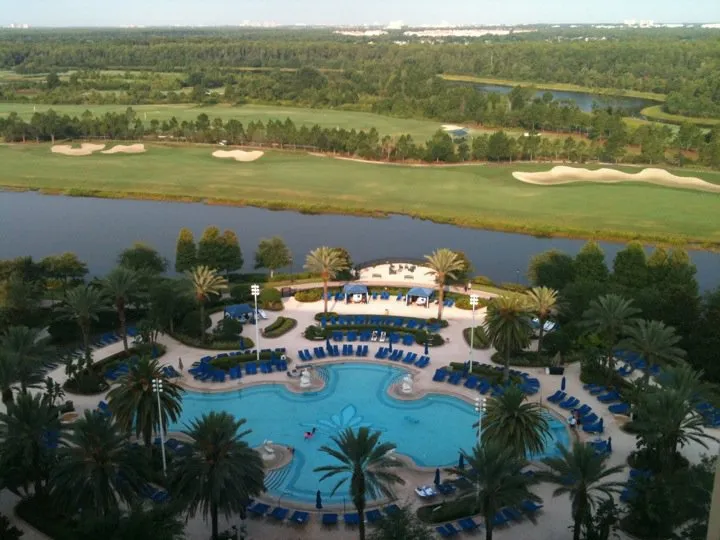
[[683, 65]]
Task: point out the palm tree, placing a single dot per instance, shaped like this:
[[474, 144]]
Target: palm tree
[[654, 342], [327, 262], [519, 426], [27, 354], [499, 480], [134, 404], [97, 470], [508, 326], [8, 377], [29, 428], [83, 304], [206, 282], [583, 475], [443, 263], [608, 317], [119, 285], [366, 463], [220, 472], [543, 302]]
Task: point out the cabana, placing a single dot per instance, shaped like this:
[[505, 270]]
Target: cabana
[[420, 295], [357, 294], [242, 312]]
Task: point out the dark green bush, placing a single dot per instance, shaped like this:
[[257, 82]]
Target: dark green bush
[[87, 382], [483, 281], [309, 295], [297, 276], [434, 320], [214, 344], [270, 299], [434, 340], [463, 302], [480, 337], [43, 515], [190, 325], [448, 511], [227, 329], [227, 362], [513, 287], [241, 293], [317, 332], [524, 359], [494, 376], [279, 327]]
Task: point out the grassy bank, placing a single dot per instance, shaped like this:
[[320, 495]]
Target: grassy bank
[[560, 87], [478, 195], [656, 113]]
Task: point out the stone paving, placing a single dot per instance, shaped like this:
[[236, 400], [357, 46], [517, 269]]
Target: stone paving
[[553, 521]]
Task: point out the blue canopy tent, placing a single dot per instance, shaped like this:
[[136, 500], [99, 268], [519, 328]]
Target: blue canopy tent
[[355, 293], [240, 311], [416, 293]]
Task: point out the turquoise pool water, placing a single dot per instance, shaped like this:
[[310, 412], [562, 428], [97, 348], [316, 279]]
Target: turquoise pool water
[[431, 430]]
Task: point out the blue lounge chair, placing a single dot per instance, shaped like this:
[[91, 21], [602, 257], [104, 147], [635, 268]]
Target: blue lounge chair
[[598, 390], [443, 532], [455, 378], [258, 509], [484, 386], [609, 397], [251, 368], [590, 418], [512, 514], [530, 506], [234, 372], [445, 489], [265, 367], [620, 408], [499, 520], [570, 403], [451, 529], [625, 370], [373, 516], [468, 524], [408, 339], [279, 513], [557, 397], [472, 382], [391, 509], [440, 375], [300, 517], [423, 362], [584, 410], [351, 519], [160, 496], [597, 427], [329, 519]]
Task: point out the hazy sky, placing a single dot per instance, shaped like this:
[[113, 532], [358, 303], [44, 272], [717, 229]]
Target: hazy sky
[[230, 12]]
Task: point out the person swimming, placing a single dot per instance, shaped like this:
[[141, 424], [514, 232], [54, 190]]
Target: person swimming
[[310, 434]]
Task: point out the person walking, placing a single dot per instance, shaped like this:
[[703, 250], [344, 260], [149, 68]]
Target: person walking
[[180, 364]]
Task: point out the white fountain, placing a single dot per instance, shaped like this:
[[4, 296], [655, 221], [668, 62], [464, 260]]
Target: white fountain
[[268, 452], [305, 379], [407, 384]]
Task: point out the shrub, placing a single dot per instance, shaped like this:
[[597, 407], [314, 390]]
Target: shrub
[[226, 362], [309, 295], [86, 383], [447, 511], [463, 302], [43, 515], [271, 299], [480, 337], [315, 332], [214, 344], [240, 294], [435, 321], [227, 329], [281, 326], [524, 359], [297, 276], [190, 325], [434, 340], [483, 281], [513, 287]]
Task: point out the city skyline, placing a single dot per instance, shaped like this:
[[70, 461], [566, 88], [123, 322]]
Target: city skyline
[[63, 13]]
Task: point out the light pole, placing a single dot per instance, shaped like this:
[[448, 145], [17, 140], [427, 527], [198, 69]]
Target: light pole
[[255, 291], [157, 388], [474, 298], [480, 410]]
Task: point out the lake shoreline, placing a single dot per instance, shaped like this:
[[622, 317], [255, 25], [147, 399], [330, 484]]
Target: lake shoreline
[[487, 225]]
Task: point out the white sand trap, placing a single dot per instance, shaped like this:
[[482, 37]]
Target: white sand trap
[[238, 155], [125, 149], [451, 127], [568, 175], [85, 149]]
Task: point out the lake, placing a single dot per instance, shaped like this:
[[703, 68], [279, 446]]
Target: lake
[[98, 229], [584, 101]]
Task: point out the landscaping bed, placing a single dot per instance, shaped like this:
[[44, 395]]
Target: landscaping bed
[[448, 511], [279, 327], [493, 376], [480, 338], [318, 333], [227, 362], [530, 359], [432, 320], [211, 344]]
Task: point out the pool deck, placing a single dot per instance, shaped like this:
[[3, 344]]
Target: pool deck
[[553, 521]]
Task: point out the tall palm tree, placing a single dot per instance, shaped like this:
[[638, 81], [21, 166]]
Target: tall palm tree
[[134, 404], [220, 472], [29, 428], [327, 262], [653, 341], [608, 316], [366, 462], [28, 355], [206, 283], [119, 285], [583, 475], [499, 480], [443, 263], [508, 326], [97, 470], [519, 426], [543, 302], [8, 377], [83, 304]]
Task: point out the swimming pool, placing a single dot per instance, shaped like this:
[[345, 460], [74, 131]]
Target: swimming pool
[[431, 430]]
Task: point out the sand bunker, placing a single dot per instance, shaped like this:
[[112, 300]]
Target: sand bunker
[[451, 127], [568, 175], [85, 149], [125, 149], [238, 155]]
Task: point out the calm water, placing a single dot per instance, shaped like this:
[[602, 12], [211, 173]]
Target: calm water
[[98, 229], [355, 396], [584, 101]]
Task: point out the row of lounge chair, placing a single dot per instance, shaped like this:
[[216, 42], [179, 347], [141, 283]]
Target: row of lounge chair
[[333, 352], [609, 397], [589, 421], [204, 371], [280, 514], [398, 355], [506, 516], [529, 385], [378, 320], [629, 492], [375, 335]]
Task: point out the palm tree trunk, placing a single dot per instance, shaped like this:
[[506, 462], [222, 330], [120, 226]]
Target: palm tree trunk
[[441, 298], [488, 529], [325, 290], [123, 325], [214, 519], [361, 526], [85, 329], [7, 395], [506, 371], [541, 335], [202, 321], [577, 528]]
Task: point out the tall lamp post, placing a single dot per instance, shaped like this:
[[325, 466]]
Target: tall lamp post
[[157, 388], [474, 298], [480, 410], [255, 291]]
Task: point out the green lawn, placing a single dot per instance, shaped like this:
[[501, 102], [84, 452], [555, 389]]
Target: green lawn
[[656, 113], [476, 195], [421, 130]]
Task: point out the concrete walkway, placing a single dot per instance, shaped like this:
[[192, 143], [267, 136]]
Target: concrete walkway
[[553, 521]]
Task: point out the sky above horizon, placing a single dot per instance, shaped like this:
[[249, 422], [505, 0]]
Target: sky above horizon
[[329, 12]]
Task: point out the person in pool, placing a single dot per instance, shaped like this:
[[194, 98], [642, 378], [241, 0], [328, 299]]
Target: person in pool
[[310, 434]]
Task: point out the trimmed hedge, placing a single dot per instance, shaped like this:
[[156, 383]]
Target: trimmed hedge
[[211, 344], [448, 511], [480, 338], [463, 302], [309, 295], [494, 376], [41, 514], [317, 333], [530, 359], [281, 326], [226, 362], [432, 320], [270, 299]]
